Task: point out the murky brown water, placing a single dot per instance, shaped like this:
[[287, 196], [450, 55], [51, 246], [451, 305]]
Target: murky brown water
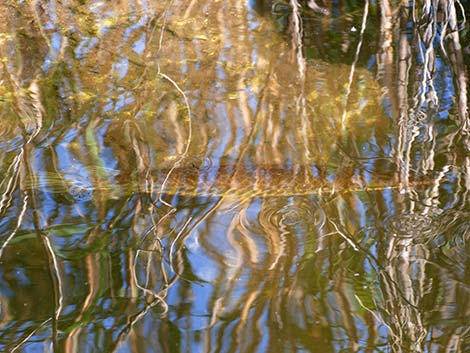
[[233, 176]]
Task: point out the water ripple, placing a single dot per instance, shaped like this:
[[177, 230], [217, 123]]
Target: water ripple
[[455, 237], [286, 222], [298, 211], [420, 227]]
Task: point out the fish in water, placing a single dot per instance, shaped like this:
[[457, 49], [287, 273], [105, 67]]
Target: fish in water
[[194, 181]]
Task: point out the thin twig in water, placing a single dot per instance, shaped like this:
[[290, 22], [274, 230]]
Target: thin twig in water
[[172, 246], [12, 181], [354, 246], [157, 296], [377, 317], [14, 349], [188, 108], [353, 66], [56, 273], [188, 141], [18, 225]]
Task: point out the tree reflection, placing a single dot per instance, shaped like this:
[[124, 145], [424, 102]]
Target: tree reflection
[[210, 176]]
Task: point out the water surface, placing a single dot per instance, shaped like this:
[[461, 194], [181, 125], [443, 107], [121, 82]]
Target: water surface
[[210, 176]]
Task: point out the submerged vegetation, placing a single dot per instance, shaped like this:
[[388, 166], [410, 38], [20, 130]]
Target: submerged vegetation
[[234, 176]]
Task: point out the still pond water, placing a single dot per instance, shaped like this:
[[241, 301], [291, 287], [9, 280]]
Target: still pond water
[[234, 176]]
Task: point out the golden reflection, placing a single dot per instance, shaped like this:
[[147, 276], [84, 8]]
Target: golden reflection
[[199, 174]]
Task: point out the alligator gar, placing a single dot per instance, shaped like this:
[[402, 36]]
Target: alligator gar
[[220, 181]]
